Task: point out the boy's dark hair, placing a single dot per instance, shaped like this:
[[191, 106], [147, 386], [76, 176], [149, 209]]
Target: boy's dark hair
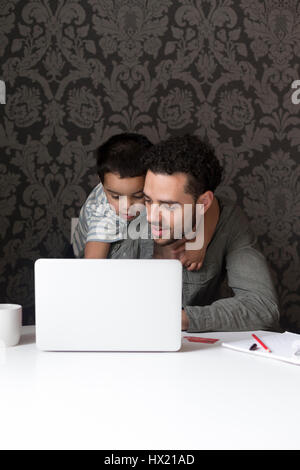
[[121, 154], [186, 154]]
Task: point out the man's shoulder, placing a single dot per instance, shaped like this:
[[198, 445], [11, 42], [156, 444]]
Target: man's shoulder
[[231, 212], [234, 222]]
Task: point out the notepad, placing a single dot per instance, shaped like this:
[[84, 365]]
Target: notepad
[[284, 346]]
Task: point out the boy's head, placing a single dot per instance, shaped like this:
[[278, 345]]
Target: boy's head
[[121, 170]]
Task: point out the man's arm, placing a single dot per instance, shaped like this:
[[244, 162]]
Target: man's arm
[[184, 320], [254, 305]]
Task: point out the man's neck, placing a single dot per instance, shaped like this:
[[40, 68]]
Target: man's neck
[[212, 219], [163, 252]]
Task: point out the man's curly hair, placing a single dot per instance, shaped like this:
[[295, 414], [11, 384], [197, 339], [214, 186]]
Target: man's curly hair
[[186, 154]]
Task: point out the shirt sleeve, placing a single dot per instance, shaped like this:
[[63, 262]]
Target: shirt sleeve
[[105, 225], [254, 305]]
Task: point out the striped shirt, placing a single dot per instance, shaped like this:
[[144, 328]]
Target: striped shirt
[[98, 222]]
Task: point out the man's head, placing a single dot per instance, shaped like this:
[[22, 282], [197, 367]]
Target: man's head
[[181, 171], [121, 170]]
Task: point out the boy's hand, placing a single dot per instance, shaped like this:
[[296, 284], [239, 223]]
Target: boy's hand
[[191, 259]]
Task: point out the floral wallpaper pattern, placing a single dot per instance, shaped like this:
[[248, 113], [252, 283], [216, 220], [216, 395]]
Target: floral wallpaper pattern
[[77, 72]]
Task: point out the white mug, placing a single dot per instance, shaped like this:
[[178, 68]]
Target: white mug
[[10, 324]]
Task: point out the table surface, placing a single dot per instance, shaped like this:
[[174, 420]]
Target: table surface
[[202, 397]]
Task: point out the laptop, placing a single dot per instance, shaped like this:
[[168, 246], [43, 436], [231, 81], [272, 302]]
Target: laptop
[[108, 304]]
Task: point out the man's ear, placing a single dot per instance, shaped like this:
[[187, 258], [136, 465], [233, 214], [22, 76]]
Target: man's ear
[[206, 199]]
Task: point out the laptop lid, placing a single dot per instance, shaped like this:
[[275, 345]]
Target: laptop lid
[[108, 304]]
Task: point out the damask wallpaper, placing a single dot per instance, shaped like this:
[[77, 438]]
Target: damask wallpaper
[[77, 72]]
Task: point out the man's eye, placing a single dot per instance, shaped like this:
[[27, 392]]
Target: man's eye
[[169, 207], [174, 207], [139, 197]]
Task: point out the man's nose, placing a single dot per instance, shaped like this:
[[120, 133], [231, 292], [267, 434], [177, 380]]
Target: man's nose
[[153, 214]]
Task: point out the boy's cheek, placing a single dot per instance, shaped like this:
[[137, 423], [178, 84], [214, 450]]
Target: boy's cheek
[[114, 205]]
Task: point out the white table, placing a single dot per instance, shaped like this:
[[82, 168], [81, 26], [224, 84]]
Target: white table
[[203, 397]]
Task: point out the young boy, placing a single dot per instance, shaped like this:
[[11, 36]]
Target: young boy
[[101, 220]]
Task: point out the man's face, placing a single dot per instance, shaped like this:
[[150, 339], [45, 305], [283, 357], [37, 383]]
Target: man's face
[[115, 187], [165, 198]]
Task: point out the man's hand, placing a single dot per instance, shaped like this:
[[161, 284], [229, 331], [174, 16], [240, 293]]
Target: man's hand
[[184, 321]]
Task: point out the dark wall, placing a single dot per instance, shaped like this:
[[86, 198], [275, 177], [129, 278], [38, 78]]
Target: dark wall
[[78, 72]]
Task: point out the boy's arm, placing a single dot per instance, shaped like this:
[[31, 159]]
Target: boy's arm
[[96, 250]]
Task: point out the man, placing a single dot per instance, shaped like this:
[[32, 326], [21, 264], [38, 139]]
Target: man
[[184, 170]]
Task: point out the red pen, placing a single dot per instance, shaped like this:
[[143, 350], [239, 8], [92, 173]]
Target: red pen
[[261, 343]]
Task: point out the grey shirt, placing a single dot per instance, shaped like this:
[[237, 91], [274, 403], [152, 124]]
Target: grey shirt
[[231, 254]]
